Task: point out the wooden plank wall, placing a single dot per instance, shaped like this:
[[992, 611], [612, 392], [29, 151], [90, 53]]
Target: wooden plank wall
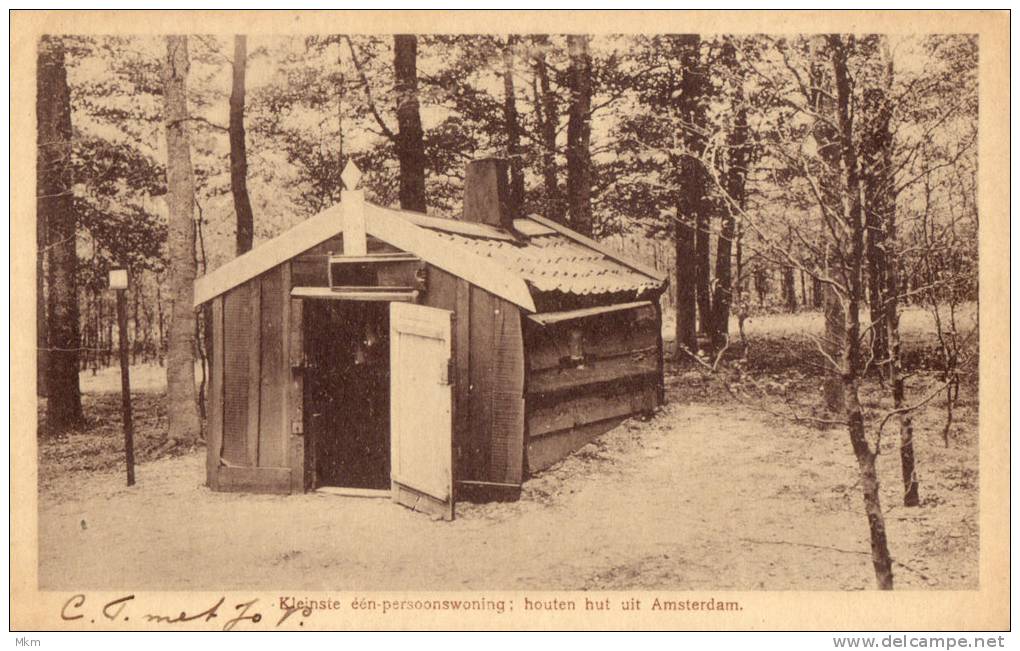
[[507, 449], [273, 437], [252, 374], [295, 399], [615, 345], [547, 450], [253, 346], [309, 268], [496, 403], [619, 374], [236, 342], [489, 381], [462, 468], [480, 342], [214, 426]]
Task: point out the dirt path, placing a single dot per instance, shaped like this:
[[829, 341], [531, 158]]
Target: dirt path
[[699, 497]]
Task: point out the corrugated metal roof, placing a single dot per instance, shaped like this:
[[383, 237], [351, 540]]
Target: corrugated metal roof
[[552, 262]]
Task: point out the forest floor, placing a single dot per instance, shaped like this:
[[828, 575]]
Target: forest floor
[[720, 489]]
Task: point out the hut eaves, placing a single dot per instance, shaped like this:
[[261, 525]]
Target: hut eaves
[[552, 258]]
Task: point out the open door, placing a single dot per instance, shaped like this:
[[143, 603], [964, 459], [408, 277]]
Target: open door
[[421, 408]]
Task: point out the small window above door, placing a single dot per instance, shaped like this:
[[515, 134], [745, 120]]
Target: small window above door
[[385, 272]]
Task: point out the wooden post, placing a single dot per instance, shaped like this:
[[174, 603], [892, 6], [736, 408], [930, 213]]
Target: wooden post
[[352, 201], [118, 281]]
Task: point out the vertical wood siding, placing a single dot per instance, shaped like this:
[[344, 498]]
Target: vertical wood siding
[[253, 346], [273, 377], [496, 409], [507, 449], [237, 334], [251, 374], [488, 358], [214, 436], [295, 397]]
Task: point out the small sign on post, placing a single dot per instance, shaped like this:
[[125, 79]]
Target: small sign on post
[[119, 283]]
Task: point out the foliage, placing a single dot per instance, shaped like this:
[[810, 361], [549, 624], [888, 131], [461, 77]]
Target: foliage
[[316, 101]]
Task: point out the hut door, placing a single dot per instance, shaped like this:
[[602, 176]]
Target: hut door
[[421, 415]]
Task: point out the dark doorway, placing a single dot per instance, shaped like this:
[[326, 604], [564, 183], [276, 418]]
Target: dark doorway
[[347, 392]]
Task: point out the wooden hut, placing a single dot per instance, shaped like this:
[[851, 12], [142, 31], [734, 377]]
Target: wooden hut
[[373, 349]]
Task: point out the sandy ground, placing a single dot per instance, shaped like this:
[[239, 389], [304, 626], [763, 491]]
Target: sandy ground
[[701, 496]]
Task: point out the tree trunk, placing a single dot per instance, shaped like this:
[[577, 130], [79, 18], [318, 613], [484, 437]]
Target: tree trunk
[[854, 364], [832, 305], [833, 341], [136, 326], [238, 149], [789, 277], [410, 139], [42, 367], [702, 274], [739, 157], [549, 124], [205, 334], [911, 488], [686, 323], [741, 302], [720, 321], [203, 376], [693, 268], [761, 285], [184, 425], [108, 344], [341, 92], [880, 558], [148, 352], [513, 130], [161, 344], [55, 206], [790, 289], [96, 348], [579, 174], [876, 143], [891, 315]]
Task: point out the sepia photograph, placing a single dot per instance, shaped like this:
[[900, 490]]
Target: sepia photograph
[[389, 319]]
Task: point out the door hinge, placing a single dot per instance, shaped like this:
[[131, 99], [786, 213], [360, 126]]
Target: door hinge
[[446, 373]]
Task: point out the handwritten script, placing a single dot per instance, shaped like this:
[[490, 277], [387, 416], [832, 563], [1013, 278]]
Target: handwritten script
[[246, 614]]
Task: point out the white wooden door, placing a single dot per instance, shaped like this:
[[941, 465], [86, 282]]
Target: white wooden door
[[421, 408]]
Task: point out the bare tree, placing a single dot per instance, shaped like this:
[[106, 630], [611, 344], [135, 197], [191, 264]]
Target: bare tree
[[548, 117], [513, 128], [735, 182], [830, 249], [238, 148], [945, 264], [410, 137], [579, 168], [884, 257], [826, 136], [180, 366], [854, 363], [55, 210], [692, 189]]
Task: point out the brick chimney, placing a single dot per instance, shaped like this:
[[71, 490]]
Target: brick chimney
[[487, 194]]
